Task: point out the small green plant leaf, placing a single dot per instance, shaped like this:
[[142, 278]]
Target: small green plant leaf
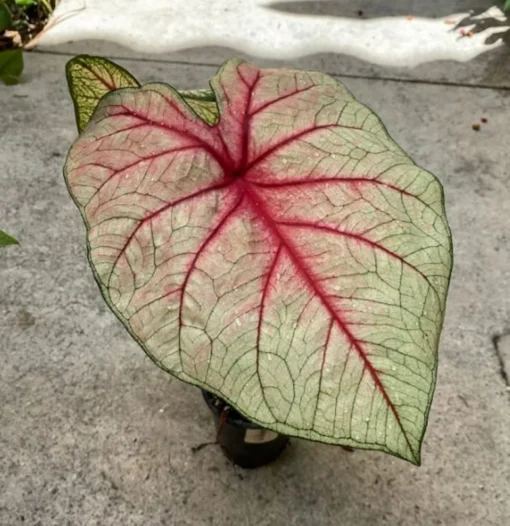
[[507, 5], [89, 79], [11, 66], [203, 103], [289, 258], [25, 3], [6, 239], [5, 17]]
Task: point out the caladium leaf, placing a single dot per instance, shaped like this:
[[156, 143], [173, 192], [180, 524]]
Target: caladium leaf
[[290, 258], [89, 79], [6, 239]]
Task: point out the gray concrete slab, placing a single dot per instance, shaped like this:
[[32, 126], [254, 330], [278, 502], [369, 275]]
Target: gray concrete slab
[[489, 69], [92, 433]]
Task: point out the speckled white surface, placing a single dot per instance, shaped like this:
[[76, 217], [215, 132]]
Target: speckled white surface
[[159, 26]]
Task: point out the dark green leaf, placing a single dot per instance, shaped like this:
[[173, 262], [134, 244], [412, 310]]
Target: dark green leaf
[[5, 17], [11, 66], [6, 239]]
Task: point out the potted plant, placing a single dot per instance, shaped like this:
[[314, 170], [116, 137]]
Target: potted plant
[[267, 241]]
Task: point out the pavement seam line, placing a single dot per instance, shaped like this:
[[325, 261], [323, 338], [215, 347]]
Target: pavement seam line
[[339, 75]]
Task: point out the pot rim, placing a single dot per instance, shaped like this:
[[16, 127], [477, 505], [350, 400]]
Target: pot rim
[[232, 420]]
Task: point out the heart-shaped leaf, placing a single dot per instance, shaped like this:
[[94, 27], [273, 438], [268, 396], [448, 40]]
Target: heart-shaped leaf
[[6, 239], [290, 258]]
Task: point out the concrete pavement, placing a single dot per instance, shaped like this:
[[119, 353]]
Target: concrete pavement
[[92, 433]]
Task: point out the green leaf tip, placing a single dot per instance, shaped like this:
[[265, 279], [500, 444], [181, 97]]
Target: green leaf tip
[[6, 239], [89, 79]]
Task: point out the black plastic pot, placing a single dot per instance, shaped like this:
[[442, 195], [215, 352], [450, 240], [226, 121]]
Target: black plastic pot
[[244, 443]]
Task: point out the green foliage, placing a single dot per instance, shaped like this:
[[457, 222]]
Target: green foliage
[[25, 3], [5, 17], [6, 239], [11, 66], [507, 5], [26, 17], [45, 4]]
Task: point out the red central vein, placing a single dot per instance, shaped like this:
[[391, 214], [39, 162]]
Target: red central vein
[[258, 205]]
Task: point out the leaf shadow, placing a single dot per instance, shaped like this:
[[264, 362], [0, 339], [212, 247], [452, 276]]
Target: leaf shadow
[[479, 25]]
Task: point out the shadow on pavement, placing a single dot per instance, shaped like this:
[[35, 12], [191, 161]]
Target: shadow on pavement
[[369, 9], [480, 25]]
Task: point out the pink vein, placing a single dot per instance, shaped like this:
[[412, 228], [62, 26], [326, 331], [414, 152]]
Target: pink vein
[[151, 216], [289, 140], [192, 266], [357, 237], [259, 207], [138, 161], [102, 79], [146, 121], [280, 98], [351, 180]]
